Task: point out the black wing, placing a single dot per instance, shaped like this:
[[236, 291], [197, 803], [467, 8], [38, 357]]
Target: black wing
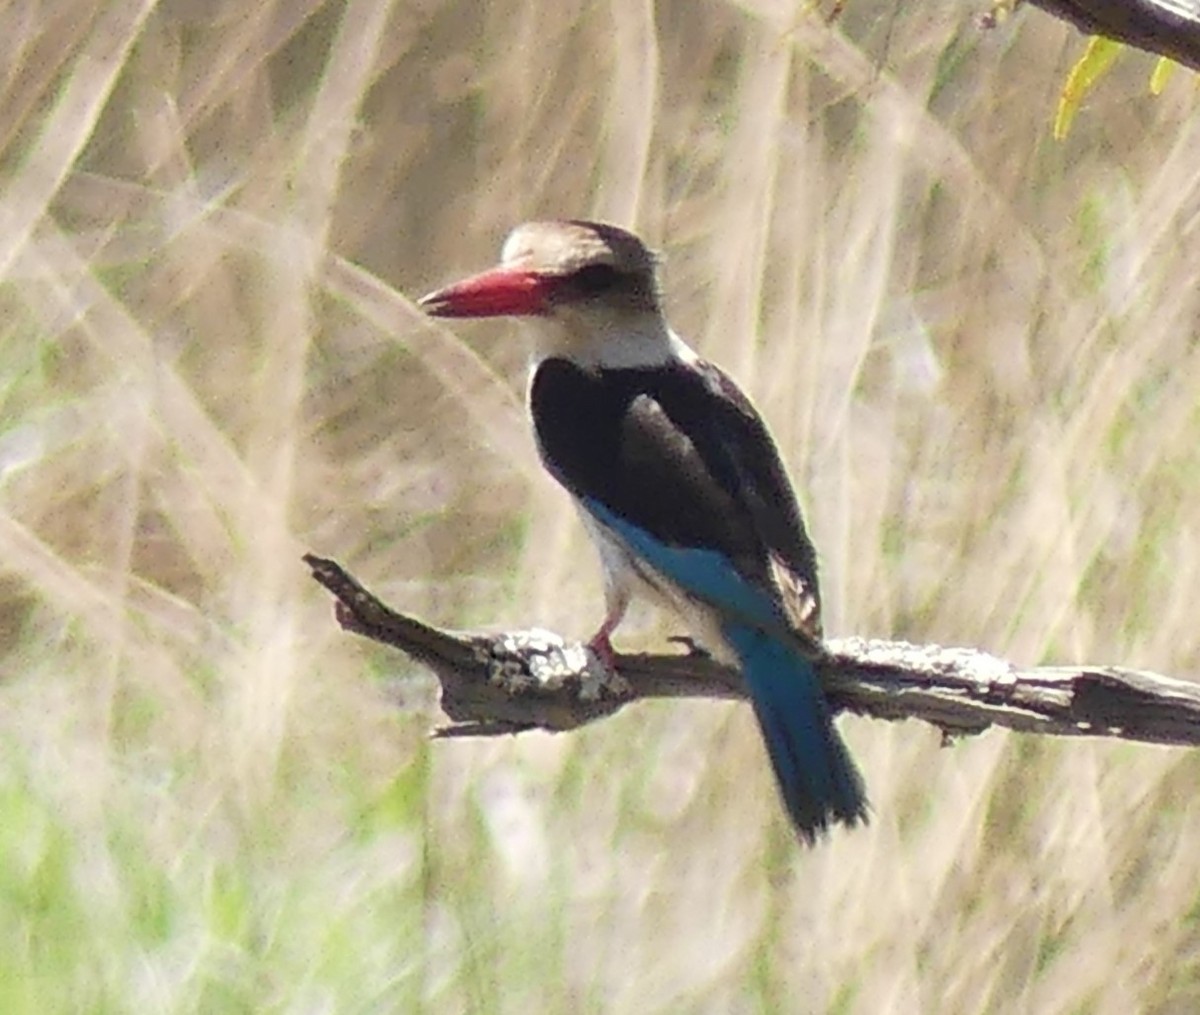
[[681, 453]]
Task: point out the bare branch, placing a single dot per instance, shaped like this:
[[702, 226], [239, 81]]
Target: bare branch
[[506, 682]]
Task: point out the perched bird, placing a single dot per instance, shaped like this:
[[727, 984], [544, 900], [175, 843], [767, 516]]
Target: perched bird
[[678, 481]]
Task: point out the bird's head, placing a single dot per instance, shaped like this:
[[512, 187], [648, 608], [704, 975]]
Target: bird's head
[[591, 290]]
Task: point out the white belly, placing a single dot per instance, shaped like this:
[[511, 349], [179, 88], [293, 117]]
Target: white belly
[[627, 576]]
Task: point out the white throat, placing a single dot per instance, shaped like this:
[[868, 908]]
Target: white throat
[[599, 341]]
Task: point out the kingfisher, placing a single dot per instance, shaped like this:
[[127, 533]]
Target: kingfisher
[[678, 482]]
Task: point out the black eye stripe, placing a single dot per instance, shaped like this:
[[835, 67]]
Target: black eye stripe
[[594, 279]]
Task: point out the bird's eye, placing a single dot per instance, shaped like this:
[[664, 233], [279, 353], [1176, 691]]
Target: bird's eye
[[595, 279]]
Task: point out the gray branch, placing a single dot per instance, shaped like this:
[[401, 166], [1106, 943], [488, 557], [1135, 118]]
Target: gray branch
[[512, 681]]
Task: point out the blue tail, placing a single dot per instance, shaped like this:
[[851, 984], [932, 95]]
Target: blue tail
[[816, 775], [815, 772]]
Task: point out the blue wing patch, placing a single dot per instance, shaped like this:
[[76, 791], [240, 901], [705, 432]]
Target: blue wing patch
[[706, 574]]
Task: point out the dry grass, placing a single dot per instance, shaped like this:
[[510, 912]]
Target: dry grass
[[976, 345]]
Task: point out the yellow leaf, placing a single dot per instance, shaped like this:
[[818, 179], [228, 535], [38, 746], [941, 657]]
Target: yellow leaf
[[1162, 71], [1095, 61]]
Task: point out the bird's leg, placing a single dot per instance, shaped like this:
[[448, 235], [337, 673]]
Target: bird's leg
[[601, 641]]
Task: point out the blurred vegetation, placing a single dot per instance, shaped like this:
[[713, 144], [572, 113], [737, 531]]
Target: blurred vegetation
[[976, 345]]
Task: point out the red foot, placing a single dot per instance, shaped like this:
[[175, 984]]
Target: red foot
[[602, 647], [600, 643]]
